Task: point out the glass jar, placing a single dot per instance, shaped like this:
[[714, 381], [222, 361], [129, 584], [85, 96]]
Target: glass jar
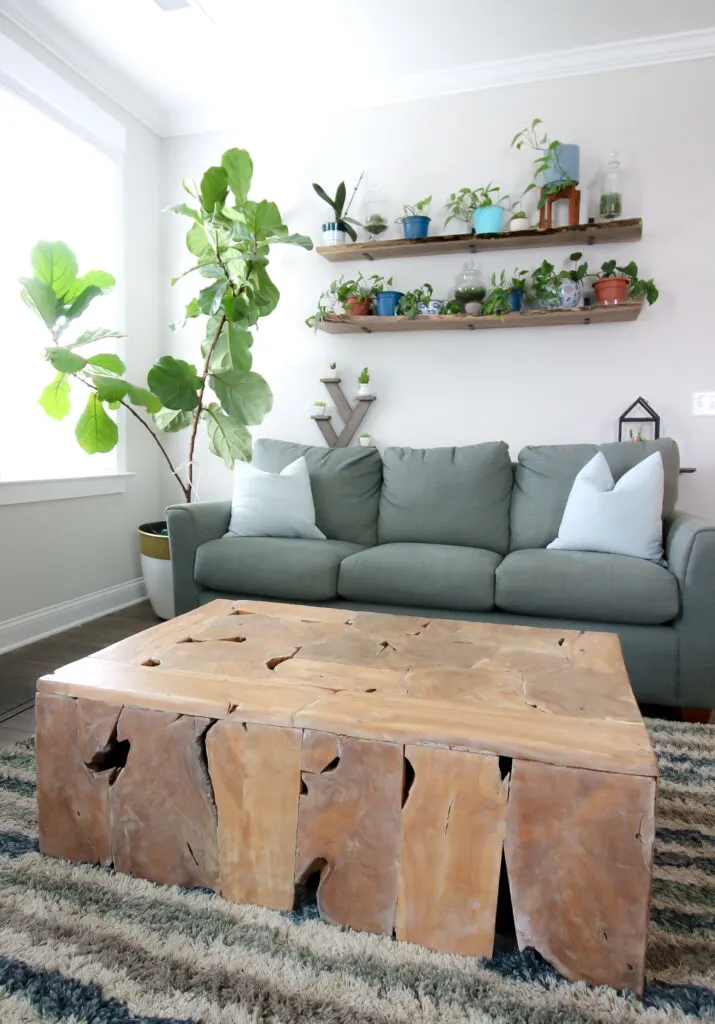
[[611, 198], [469, 290], [374, 216]]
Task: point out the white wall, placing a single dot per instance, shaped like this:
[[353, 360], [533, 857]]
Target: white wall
[[56, 551], [554, 385]]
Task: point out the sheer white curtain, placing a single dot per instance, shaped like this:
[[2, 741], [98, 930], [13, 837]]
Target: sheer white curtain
[[55, 185]]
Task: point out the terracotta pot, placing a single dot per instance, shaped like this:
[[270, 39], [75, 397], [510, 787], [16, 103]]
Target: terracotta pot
[[358, 306], [611, 290]]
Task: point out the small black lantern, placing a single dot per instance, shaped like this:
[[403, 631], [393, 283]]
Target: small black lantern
[[640, 412]]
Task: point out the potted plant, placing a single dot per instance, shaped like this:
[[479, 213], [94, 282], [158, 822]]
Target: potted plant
[[333, 374], [517, 289], [414, 302], [364, 383], [356, 296], [386, 298], [223, 393], [365, 440], [319, 409], [498, 300], [461, 205], [489, 210], [335, 230], [415, 220], [556, 164], [452, 307], [561, 289], [615, 284], [519, 221]]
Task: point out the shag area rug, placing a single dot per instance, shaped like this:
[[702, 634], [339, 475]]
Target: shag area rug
[[82, 945]]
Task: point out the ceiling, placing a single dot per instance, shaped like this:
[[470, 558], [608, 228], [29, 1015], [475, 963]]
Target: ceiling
[[184, 64]]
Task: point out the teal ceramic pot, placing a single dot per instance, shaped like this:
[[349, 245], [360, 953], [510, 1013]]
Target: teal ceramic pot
[[488, 220]]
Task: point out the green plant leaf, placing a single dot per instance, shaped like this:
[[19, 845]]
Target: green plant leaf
[[144, 398], [185, 210], [55, 398], [295, 239], [214, 188], [95, 431], [98, 335], [339, 200], [107, 361], [110, 389], [239, 309], [40, 298], [172, 420], [324, 195], [55, 264], [265, 293], [238, 166], [209, 298], [80, 303], [196, 240], [98, 279], [245, 397], [232, 350], [229, 440], [175, 383], [64, 360]]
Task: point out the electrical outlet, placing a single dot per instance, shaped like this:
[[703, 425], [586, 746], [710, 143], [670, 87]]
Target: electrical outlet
[[704, 403]]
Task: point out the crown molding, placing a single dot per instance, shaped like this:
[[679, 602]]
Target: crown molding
[[85, 62], [585, 60]]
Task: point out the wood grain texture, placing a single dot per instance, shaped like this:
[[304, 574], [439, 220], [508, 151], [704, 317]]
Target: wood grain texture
[[72, 798], [579, 848], [349, 828], [255, 771], [164, 824], [452, 838]]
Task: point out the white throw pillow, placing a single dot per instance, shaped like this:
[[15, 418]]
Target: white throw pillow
[[273, 504], [625, 519]]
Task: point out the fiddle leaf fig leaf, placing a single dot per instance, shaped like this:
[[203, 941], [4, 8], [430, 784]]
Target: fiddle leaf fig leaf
[[38, 295], [108, 361], [196, 241], [143, 397], [98, 279], [209, 298], [55, 398], [64, 360], [245, 397], [175, 383], [232, 350], [55, 264], [186, 210], [238, 167], [98, 335], [214, 188], [302, 240], [80, 303], [95, 430], [110, 389], [172, 420], [229, 440]]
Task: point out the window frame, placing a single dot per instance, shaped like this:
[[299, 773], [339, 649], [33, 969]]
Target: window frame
[[36, 83]]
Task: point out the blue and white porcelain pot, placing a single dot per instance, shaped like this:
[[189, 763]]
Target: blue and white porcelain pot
[[568, 295], [432, 308]]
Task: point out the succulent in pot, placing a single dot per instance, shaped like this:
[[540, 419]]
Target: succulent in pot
[[559, 289], [365, 440], [364, 383], [415, 219], [333, 372], [614, 284], [320, 408], [519, 221]]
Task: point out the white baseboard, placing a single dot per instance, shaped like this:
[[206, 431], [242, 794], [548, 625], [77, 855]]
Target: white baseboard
[[25, 629]]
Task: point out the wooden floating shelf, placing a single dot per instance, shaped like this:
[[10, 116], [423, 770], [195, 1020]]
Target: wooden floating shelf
[[394, 248], [461, 321]]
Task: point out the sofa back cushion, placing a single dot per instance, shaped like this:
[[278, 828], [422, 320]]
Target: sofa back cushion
[[447, 496], [345, 484], [545, 474]]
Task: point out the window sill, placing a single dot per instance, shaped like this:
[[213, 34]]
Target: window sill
[[19, 492]]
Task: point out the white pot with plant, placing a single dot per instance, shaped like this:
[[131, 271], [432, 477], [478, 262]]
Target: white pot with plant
[[364, 383], [320, 409], [519, 221], [335, 230], [332, 373], [365, 440], [224, 394]]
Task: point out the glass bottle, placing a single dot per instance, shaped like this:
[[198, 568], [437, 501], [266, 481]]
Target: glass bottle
[[469, 289], [611, 198]]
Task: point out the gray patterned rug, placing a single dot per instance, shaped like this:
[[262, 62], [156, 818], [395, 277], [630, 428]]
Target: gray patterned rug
[[81, 945]]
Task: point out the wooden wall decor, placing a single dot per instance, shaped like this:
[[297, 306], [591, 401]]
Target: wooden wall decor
[[351, 417]]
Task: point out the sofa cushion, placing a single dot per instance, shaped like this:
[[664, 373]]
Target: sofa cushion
[[454, 496], [345, 484], [435, 575], [545, 474], [287, 568], [586, 585]]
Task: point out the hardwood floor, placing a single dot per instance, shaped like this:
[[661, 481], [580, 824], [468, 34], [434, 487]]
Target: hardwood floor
[[20, 669]]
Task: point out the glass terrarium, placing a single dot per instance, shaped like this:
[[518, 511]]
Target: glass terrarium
[[611, 204], [375, 219], [469, 290]]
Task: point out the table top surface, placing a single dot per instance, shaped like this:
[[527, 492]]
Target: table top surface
[[553, 695]]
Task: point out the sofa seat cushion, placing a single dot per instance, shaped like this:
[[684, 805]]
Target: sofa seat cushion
[[288, 568], [586, 585], [435, 575]]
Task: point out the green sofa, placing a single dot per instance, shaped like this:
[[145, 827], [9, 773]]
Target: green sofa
[[462, 533]]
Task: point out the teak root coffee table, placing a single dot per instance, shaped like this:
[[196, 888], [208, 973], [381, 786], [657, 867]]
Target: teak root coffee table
[[248, 747]]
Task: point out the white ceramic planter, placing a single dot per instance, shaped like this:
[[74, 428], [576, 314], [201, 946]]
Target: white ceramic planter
[[432, 308], [320, 410], [333, 235], [365, 442], [364, 390], [332, 375], [156, 569], [520, 224]]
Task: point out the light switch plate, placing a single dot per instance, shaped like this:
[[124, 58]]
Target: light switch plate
[[704, 403]]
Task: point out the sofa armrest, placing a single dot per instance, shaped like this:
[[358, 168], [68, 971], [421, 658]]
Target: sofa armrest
[[190, 526], [690, 551]]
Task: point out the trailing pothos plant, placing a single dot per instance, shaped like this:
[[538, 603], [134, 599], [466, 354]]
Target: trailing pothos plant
[[230, 238]]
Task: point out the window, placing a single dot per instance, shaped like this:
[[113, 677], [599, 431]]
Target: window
[[59, 180]]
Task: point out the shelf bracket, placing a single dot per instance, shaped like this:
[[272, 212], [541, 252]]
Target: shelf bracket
[[351, 417]]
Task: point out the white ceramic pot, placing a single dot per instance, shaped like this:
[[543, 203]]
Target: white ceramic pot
[[364, 390], [155, 561], [320, 410], [365, 442], [432, 308], [332, 375], [520, 224], [333, 234]]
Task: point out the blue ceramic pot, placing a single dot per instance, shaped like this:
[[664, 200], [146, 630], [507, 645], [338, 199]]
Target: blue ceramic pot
[[564, 161], [488, 220], [569, 294], [387, 302], [515, 298], [415, 227]]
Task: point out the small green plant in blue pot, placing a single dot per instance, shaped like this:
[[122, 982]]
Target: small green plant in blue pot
[[386, 298], [517, 289], [489, 210], [415, 220]]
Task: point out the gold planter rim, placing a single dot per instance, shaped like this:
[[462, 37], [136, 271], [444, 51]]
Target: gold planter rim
[[152, 543]]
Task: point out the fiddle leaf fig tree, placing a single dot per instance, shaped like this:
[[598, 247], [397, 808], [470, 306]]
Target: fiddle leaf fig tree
[[229, 238]]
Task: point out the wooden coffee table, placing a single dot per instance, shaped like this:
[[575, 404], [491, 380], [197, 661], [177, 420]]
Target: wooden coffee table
[[406, 762]]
